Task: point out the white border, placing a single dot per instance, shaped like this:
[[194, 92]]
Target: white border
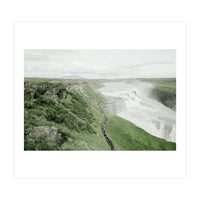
[[99, 164]]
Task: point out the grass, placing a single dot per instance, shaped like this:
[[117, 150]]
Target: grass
[[127, 136]]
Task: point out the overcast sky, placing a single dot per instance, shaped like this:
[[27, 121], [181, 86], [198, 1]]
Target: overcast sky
[[100, 63]]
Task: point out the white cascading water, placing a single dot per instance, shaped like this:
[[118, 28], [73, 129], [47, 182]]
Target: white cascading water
[[131, 101]]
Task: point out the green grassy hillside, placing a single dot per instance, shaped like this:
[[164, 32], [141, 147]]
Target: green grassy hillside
[[127, 136], [63, 115]]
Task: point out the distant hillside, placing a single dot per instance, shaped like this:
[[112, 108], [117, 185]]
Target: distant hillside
[[165, 92], [71, 77]]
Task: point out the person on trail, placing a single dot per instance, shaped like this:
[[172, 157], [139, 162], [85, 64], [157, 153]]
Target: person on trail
[[111, 145], [104, 132]]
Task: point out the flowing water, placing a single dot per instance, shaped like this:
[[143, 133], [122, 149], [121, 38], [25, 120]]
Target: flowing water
[[131, 101]]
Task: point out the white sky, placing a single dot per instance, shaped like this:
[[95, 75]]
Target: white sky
[[100, 63]]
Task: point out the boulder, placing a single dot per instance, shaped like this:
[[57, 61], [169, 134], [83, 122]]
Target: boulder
[[50, 135]]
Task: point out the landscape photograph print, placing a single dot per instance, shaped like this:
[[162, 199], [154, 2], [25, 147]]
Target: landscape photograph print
[[100, 100]]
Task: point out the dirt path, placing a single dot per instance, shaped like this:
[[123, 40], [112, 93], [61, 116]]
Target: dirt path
[[104, 131]]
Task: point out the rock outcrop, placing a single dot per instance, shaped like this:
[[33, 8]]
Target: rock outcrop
[[49, 135], [33, 91]]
